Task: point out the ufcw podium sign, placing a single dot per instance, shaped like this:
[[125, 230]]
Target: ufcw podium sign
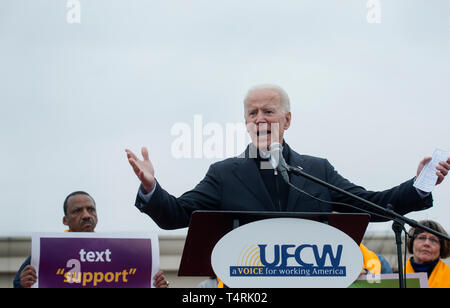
[[287, 252]]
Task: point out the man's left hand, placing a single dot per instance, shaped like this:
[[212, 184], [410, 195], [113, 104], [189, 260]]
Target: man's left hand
[[442, 168], [160, 281]]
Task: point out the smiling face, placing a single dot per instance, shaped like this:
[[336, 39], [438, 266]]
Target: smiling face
[[426, 247], [265, 117], [81, 214]]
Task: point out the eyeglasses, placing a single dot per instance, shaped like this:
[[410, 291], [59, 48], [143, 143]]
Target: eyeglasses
[[423, 238]]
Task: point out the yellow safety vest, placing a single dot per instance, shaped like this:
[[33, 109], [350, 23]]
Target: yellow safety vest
[[371, 261], [440, 277]]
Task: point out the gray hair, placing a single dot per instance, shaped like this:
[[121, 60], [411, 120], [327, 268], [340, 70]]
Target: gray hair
[[285, 102]]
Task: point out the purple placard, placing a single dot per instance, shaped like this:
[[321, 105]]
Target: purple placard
[[95, 262]]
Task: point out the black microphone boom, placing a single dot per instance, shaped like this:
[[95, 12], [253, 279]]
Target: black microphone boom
[[399, 220], [386, 211]]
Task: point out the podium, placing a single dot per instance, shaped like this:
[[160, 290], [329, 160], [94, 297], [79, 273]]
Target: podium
[[206, 228]]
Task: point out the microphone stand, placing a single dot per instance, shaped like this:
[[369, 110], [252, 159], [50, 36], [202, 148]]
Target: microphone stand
[[399, 220], [398, 227]]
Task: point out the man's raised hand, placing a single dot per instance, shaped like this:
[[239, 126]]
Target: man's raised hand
[[143, 169], [442, 169]]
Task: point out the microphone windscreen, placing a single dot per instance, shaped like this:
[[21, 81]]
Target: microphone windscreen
[[275, 151]]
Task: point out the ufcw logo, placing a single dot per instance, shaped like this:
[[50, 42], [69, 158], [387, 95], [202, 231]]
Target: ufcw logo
[[290, 260]]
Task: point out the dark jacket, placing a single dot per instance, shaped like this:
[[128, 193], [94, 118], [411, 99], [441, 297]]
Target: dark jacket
[[235, 184]]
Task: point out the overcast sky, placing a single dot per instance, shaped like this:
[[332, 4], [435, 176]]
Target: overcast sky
[[373, 98]]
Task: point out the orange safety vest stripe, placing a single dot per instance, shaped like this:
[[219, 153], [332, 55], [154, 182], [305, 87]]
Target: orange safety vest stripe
[[440, 277], [371, 261]]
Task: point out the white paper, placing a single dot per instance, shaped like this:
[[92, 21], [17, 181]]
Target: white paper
[[426, 181]]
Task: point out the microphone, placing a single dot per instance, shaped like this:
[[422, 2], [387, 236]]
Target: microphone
[[277, 160]]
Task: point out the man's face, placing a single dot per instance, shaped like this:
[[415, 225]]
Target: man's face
[[81, 214], [265, 119]]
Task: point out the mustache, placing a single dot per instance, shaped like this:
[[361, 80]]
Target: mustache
[[263, 132], [87, 221], [262, 128]]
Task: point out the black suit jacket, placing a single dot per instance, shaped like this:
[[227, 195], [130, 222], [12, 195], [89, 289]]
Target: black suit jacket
[[235, 184]]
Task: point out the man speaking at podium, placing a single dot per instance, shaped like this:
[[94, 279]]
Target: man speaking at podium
[[246, 183]]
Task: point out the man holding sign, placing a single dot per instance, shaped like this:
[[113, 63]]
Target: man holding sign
[[80, 215]]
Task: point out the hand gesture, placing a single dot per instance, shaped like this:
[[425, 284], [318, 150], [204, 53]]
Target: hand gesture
[[143, 169], [441, 169]]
